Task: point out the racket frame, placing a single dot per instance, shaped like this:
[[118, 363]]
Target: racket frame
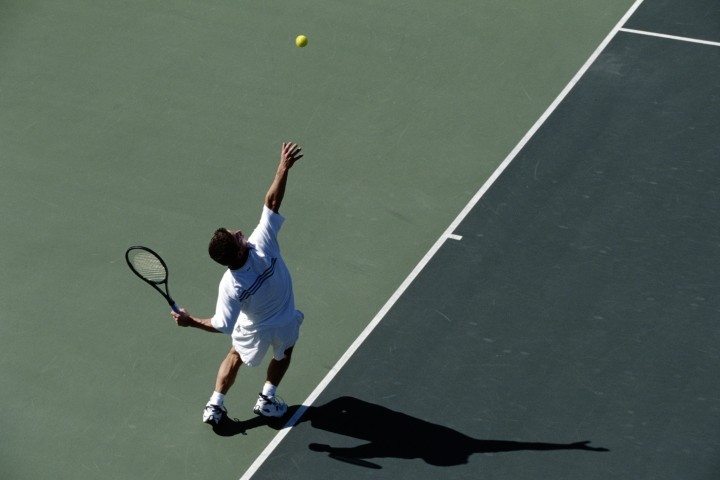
[[155, 285]]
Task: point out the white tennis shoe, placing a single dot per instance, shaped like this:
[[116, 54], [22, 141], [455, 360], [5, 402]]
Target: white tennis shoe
[[270, 406], [213, 414]]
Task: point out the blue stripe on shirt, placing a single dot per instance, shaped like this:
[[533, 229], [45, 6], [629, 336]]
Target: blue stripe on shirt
[[258, 281]]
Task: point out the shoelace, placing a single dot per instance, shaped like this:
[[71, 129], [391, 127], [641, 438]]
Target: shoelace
[[275, 401]]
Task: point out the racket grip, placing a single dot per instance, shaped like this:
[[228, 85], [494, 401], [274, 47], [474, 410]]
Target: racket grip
[[175, 308]]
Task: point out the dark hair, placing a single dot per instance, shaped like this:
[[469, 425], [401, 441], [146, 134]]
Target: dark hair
[[223, 247]]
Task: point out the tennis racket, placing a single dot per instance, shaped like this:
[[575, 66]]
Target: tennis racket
[[148, 265]]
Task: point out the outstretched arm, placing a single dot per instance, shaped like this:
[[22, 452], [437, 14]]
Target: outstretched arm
[[289, 154]]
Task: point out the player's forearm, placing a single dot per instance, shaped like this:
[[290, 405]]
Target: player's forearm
[[289, 154], [200, 323], [276, 192]]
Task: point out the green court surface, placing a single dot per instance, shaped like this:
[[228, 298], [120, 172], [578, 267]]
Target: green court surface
[[155, 122]]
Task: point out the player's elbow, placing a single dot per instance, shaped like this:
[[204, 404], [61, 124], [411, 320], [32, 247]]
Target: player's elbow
[[272, 203]]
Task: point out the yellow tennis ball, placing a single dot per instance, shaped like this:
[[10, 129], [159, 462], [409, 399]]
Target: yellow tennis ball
[[301, 41]]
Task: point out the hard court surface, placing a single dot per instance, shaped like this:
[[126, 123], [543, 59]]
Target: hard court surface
[[577, 306], [564, 325]]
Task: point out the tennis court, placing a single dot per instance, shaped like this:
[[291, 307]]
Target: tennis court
[[562, 325]]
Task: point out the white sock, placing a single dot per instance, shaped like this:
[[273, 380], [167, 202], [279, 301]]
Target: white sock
[[217, 398], [269, 390]]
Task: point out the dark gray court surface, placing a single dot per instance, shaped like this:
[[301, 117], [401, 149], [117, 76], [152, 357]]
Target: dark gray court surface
[[580, 305]]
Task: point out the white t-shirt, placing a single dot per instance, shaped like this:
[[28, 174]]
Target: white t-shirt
[[259, 294]]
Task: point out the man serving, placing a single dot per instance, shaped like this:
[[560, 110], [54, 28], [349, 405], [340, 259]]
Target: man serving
[[255, 303]]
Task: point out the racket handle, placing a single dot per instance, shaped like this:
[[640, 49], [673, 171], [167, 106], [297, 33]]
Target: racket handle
[[175, 308]]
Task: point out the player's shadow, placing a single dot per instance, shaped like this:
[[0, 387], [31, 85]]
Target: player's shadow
[[388, 433], [393, 434]]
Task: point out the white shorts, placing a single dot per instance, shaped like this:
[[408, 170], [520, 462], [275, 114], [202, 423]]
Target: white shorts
[[252, 346]]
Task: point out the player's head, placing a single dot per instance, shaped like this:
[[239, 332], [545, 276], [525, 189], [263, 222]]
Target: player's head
[[227, 247]]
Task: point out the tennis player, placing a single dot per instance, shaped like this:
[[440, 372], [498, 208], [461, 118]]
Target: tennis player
[[255, 303]]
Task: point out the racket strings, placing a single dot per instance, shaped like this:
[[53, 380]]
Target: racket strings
[[149, 266]]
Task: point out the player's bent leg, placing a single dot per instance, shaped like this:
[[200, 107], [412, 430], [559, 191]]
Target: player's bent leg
[[228, 371], [277, 368], [215, 410]]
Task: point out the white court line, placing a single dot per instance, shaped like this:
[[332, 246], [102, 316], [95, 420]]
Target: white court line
[[670, 37], [452, 236], [431, 253]]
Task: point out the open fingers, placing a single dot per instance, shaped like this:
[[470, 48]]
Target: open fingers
[[292, 151]]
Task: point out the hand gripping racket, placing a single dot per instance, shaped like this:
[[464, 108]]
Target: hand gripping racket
[[148, 265]]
